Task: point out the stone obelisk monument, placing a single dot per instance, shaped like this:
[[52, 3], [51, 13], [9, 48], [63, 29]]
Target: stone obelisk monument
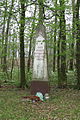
[[40, 76]]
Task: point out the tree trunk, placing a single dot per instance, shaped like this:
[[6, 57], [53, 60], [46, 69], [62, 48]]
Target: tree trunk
[[55, 34], [22, 54], [78, 44], [59, 59], [30, 45], [73, 37], [6, 37], [3, 34], [12, 60], [63, 76]]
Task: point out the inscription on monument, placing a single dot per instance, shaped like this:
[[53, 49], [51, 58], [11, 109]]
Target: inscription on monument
[[39, 49], [39, 56]]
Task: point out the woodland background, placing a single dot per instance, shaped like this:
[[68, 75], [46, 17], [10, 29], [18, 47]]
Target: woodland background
[[18, 21]]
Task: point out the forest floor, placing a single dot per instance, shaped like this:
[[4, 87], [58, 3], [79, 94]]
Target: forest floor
[[63, 104]]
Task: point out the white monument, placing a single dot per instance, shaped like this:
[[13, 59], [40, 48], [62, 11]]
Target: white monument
[[40, 75]]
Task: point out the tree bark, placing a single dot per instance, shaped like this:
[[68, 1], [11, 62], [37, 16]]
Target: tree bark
[[6, 37], [55, 34], [59, 59], [22, 54], [73, 37], [41, 12], [78, 44], [12, 60], [3, 33], [63, 75], [30, 45]]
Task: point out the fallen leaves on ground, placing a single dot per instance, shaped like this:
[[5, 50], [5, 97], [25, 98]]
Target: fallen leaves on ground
[[64, 104]]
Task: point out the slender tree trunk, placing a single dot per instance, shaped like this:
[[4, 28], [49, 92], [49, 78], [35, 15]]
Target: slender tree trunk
[[63, 76], [49, 51], [6, 37], [22, 54], [3, 33], [59, 59], [30, 45], [41, 12], [3, 30], [78, 44], [72, 57], [55, 34], [73, 37], [12, 60]]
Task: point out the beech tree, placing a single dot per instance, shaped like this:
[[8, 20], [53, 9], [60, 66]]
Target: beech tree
[[31, 37], [55, 35], [6, 36], [73, 36], [3, 31], [22, 52], [78, 43], [63, 78]]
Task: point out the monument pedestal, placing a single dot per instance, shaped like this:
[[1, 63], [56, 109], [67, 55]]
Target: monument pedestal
[[40, 86]]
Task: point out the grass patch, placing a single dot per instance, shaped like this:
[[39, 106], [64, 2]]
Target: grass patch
[[62, 105]]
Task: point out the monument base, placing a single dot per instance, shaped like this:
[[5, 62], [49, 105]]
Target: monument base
[[40, 86]]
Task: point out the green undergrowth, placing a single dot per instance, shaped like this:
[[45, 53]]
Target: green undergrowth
[[71, 78], [53, 77], [63, 104]]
